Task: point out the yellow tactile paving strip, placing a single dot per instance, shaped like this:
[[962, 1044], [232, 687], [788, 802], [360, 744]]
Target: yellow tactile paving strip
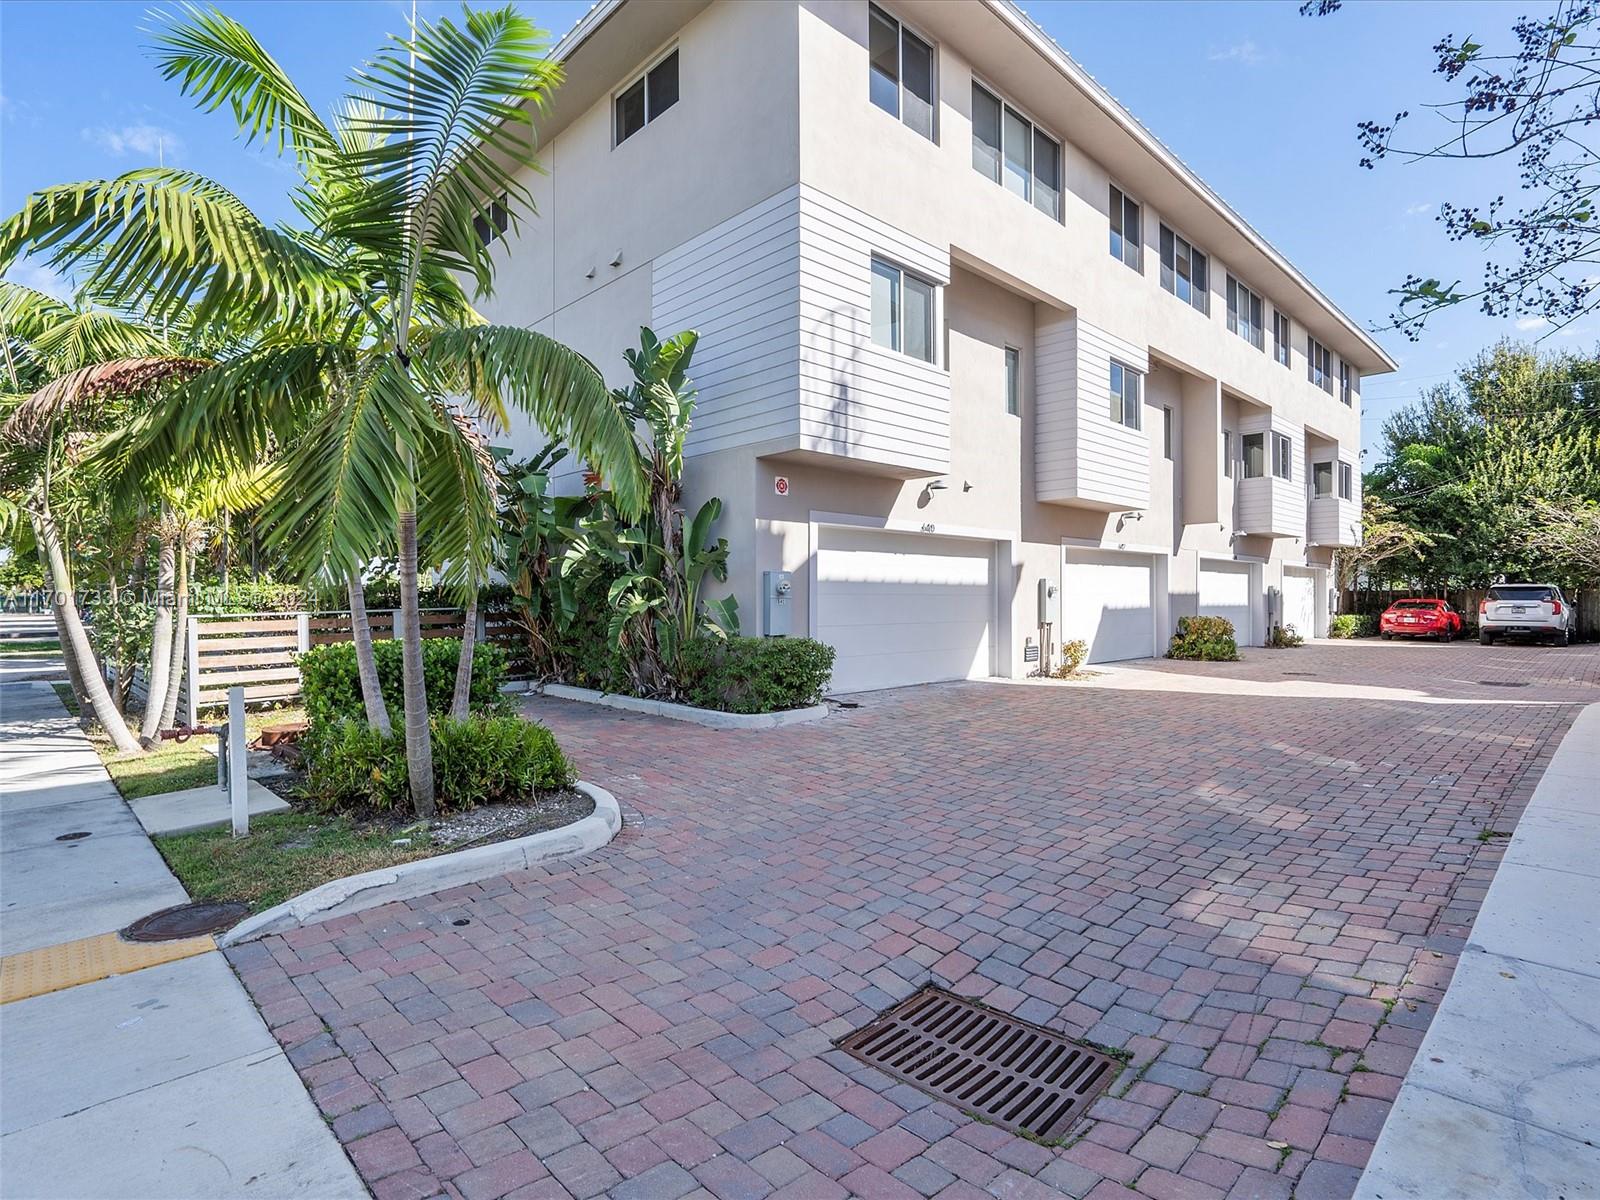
[[55, 968]]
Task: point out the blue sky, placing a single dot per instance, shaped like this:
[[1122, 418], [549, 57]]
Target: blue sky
[[1261, 102]]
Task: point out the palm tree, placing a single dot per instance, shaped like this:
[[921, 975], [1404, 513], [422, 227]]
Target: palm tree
[[378, 338]]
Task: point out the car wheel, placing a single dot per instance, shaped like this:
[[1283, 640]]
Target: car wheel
[[1485, 638], [1386, 636], [1445, 636], [1565, 639]]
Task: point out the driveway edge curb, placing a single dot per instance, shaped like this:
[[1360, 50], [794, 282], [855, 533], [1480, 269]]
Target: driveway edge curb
[[710, 718], [357, 893]]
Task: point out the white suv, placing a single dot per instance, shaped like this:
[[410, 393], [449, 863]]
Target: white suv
[[1531, 609]]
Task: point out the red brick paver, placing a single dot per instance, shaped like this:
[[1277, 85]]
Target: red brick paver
[[1259, 899]]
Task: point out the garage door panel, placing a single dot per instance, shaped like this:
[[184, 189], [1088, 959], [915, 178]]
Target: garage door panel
[[903, 608], [1108, 602], [1225, 592]]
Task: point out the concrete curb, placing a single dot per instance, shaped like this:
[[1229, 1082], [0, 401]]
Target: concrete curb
[[687, 712], [340, 897]]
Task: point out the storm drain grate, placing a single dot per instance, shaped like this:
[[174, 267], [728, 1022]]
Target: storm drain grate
[[1008, 1072], [1500, 683], [186, 921]]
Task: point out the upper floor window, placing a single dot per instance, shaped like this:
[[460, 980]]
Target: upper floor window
[[1280, 337], [1255, 455], [1227, 453], [900, 72], [491, 225], [902, 311], [1322, 479], [1013, 380], [1126, 229], [1347, 383], [1346, 482], [1009, 149], [1244, 313], [1282, 456], [1183, 271], [1319, 364], [647, 98], [1125, 398]]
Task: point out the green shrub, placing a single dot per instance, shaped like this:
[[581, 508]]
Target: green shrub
[[482, 760], [1284, 637], [1353, 625], [755, 675], [331, 687], [1207, 639], [1072, 656]]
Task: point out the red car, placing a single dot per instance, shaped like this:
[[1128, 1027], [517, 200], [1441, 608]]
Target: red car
[[1420, 618]]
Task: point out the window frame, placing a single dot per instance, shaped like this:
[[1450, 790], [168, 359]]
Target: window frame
[[642, 79], [1250, 329], [1203, 292], [491, 224], [1346, 384], [1316, 468], [1126, 405], [1282, 456], [1057, 212], [1319, 362], [1244, 455], [1013, 361], [897, 310], [1166, 432], [903, 31], [1227, 454], [1346, 481], [1118, 228], [1282, 338]]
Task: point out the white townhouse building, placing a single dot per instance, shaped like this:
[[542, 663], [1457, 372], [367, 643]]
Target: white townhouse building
[[967, 328]]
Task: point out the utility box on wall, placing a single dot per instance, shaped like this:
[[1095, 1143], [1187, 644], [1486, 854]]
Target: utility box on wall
[[777, 603], [1049, 603]]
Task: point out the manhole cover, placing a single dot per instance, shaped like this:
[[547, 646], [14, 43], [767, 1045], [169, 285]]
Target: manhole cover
[[76, 836], [1500, 683], [187, 920], [1008, 1072]]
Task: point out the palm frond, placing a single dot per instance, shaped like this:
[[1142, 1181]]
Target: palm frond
[[75, 393], [217, 61], [497, 365]]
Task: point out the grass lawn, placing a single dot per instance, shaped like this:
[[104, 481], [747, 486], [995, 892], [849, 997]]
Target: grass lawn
[[284, 855], [25, 648], [171, 766]]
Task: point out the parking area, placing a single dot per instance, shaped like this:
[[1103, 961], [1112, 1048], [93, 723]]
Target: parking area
[[1257, 897]]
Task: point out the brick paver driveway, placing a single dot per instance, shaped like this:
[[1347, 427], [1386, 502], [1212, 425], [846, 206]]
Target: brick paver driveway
[[1258, 898]]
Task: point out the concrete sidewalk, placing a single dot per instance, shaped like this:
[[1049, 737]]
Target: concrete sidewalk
[[161, 1082], [1501, 1097]]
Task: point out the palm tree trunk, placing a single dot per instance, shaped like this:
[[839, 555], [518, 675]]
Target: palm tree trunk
[[75, 642], [160, 643], [68, 658], [180, 638], [461, 701], [366, 664], [419, 747]]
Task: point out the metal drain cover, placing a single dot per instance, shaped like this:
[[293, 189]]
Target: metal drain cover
[[1008, 1072], [187, 920]]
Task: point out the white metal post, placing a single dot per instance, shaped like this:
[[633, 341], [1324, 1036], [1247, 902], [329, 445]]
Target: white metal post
[[238, 774], [192, 692]]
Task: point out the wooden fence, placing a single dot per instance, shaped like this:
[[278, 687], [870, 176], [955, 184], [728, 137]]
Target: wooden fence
[[258, 650]]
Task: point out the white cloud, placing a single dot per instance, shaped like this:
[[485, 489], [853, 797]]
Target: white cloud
[[41, 278], [149, 141], [1246, 52], [1529, 324], [1416, 210]]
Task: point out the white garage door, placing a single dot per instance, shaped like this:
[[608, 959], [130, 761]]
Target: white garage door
[[1300, 601], [903, 608], [1225, 592], [1106, 602]]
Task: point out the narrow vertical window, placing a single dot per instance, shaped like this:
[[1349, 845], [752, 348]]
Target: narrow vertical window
[[918, 317], [1166, 431], [1126, 236], [883, 50], [1346, 489], [1046, 176], [1227, 453], [1347, 383], [661, 86], [1282, 456], [885, 305], [1255, 455], [899, 71], [1319, 364], [1013, 381], [985, 133], [1125, 398], [1322, 479], [1018, 154], [1184, 271], [1244, 313], [1280, 337]]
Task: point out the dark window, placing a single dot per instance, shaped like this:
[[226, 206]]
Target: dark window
[[900, 71], [1126, 235], [1009, 149], [985, 134], [1282, 456], [647, 98], [1013, 380], [492, 224], [1255, 455], [1319, 364], [1227, 453], [1346, 482], [1347, 382], [1184, 271], [1125, 404], [1166, 431], [1280, 337], [1521, 592], [1244, 313]]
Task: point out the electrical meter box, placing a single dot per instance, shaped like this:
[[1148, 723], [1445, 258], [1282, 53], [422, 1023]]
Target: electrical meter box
[[777, 603], [1049, 603]]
